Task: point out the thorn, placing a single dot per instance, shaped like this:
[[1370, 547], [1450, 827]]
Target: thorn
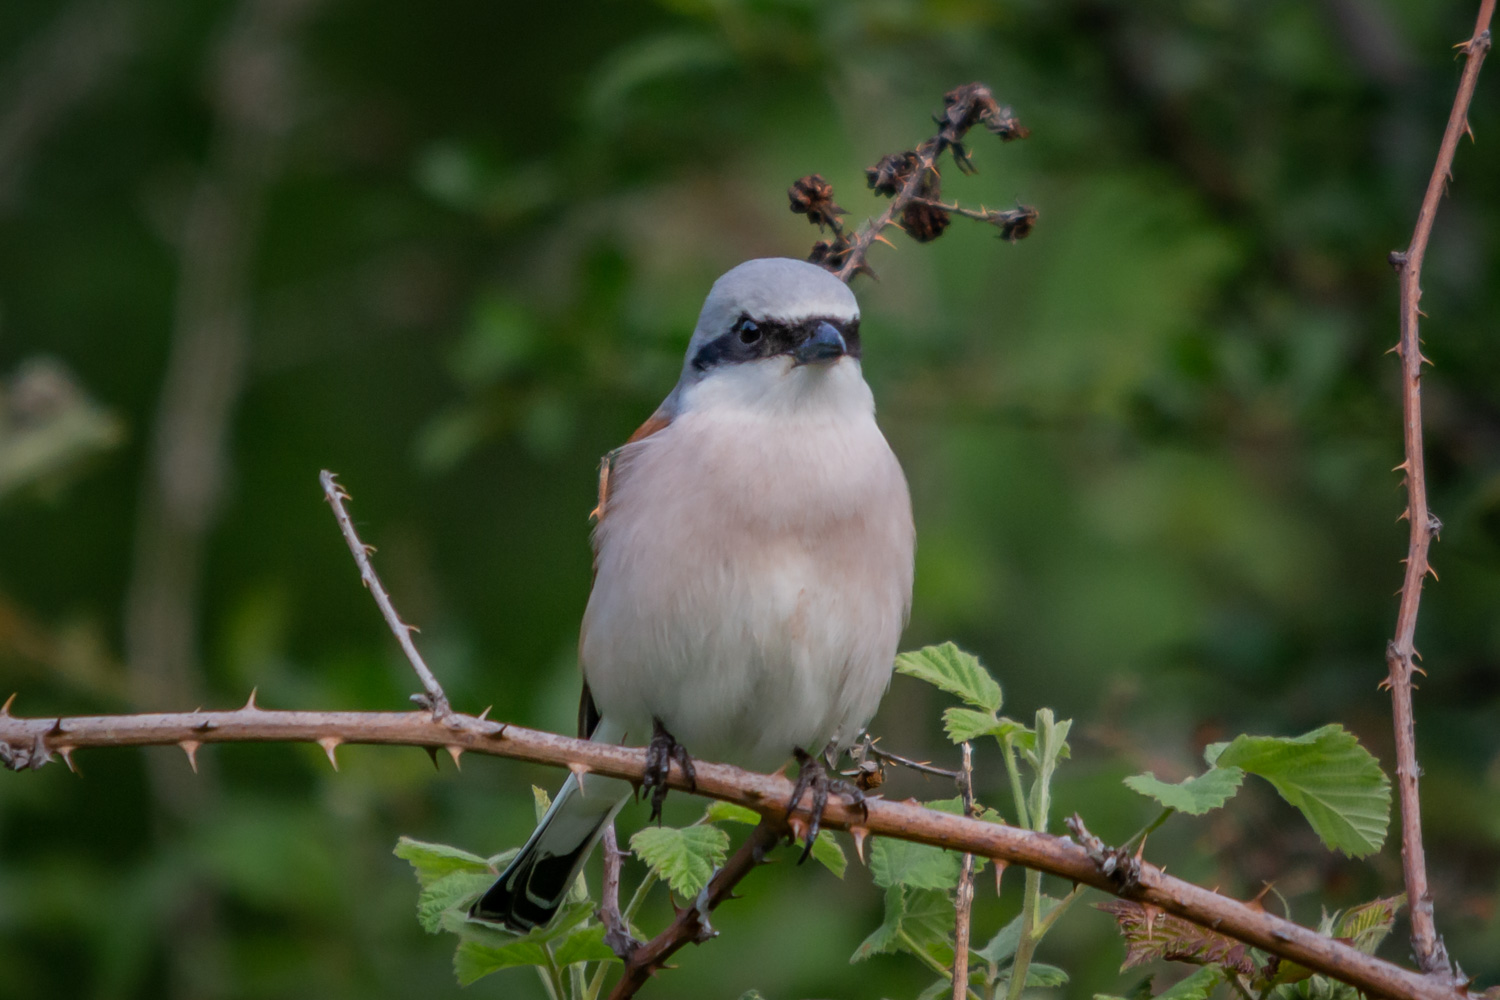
[[66, 753], [1395, 349], [57, 728], [5, 709], [329, 745], [859, 833], [485, 714], [881, 239], [370, 550], [455, 751], [432, 752], [1405, 515], [205, 726], [410, 628], [190, 747], [1403, 466], [579, 770], [1433, 572], [250, 705], [799, 828], [1425, 359]]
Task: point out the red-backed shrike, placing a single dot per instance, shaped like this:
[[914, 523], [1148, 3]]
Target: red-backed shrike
[[753, 563]]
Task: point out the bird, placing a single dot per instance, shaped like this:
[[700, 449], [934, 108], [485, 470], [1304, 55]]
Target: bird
[[753, 562]]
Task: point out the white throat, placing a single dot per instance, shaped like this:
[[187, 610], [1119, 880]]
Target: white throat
[[777, 389]]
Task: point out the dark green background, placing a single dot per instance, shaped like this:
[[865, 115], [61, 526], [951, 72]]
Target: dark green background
[[1149, 447]]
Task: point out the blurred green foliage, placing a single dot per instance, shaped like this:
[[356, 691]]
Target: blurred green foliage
[[1149, 447]]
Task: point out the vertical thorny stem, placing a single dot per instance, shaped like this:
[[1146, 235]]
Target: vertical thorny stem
[[1431, 955], [965, 894]]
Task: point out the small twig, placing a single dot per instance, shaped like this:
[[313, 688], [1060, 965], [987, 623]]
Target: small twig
[[34, 741], [965, 894], [870, 749], [1401, 652], [691, 923], [434, 700], [617, 929]]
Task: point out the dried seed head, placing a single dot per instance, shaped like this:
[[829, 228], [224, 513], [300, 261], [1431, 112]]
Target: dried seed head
[[892, 172], [924, 223], [830, 254], [812, 196], [1015, 224]]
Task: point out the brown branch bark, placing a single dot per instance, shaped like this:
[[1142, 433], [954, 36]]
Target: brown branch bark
[[433, 698], [29, 743], [1401, 652], [964, 896]]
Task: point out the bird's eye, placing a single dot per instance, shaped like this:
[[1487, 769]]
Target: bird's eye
[[749, 332]]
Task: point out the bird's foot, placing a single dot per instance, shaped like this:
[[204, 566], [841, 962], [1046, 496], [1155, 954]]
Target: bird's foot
[[660, 753], [814, 775]]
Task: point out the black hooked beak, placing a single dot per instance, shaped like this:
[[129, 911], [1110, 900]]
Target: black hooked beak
[[826, 344]]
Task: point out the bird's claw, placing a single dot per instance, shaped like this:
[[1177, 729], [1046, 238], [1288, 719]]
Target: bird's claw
[[814, 775], [660, 753]]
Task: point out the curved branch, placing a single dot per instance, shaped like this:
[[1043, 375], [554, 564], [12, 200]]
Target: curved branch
[[29, 743], [1432, 956]]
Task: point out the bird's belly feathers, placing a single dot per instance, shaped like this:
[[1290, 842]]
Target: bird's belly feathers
[[751, 596]]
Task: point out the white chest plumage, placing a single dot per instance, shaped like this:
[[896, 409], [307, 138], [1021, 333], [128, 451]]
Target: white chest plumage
[[754, 567]]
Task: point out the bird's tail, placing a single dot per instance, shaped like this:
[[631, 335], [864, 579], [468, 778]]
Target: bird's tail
[[534, 884]]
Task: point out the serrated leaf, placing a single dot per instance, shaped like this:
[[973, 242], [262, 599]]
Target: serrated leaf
[[951, 669], [901, 862], [1199, 986], [683, 858], [1002, 947], [450, 891], [586, 945], [474, 960], [939, 988], [882, 940], [433, 861], [728, 812], [1040, 974], [964, 724], [1151, 933], [1366, 925], [1335, 783], [1194, 796], [912, 916]]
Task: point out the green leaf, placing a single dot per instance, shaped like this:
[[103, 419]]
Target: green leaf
[[964, 724], [1141, 991], [449, 892], [473, 960], [1198, 986], [919, 917], [486, 948], [1151, 934], [1050, 747], [827, 852], [541, 800], [954, 671], [586, 945], [883, 939], [433, 861], [900, 862], [1002, 947], [728, 812], [684, 858], [1041, 974], [1366, 925], [1336, 783], [1194, 796]]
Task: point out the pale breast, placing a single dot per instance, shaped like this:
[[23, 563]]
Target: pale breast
[[752, 583]]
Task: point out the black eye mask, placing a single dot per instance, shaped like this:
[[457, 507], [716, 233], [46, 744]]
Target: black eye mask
[[752, 339]]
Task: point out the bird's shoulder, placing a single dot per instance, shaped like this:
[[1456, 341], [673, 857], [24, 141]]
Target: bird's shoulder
[[657, 422]]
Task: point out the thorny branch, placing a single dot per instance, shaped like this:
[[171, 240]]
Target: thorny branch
[[912, 181], [964, 897], [433, 699], [30, 743], [691, 922], [1432, 956]]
